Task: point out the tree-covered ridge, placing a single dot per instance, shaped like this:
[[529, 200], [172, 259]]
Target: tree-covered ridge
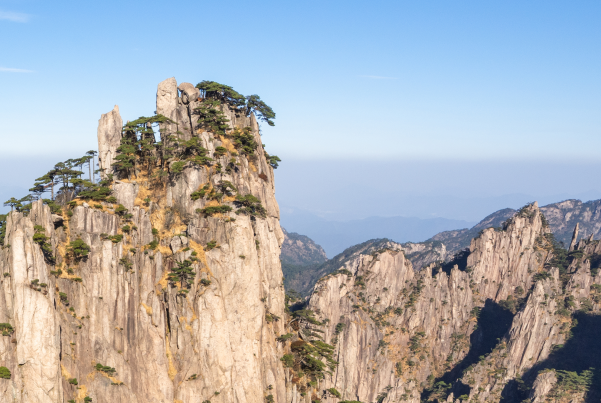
[[211, 90], [140, 151], [65, 181]]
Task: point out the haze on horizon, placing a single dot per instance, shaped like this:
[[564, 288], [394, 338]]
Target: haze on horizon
[[424, 109]]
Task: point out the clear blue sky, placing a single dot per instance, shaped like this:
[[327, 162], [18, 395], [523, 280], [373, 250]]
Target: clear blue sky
[[349, 80]]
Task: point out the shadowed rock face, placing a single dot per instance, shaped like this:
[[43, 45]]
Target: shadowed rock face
[[120, 327], [117, 307], [404, 331]]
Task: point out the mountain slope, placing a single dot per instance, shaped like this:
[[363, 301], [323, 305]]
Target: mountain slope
[[335, 236], [168, 293], [471, 331]]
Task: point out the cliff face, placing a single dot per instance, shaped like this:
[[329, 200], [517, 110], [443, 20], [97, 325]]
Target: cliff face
[[117, 307], [469, 329], [301, 250]]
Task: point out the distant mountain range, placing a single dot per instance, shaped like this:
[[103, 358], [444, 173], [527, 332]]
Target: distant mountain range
[[304, 261], [336, 236]]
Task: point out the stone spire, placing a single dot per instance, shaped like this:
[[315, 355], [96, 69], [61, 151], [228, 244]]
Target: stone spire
[[574, 238], [109, 139]]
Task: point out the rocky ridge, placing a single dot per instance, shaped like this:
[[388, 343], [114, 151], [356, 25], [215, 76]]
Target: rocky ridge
[[113, 326], [466, 331]]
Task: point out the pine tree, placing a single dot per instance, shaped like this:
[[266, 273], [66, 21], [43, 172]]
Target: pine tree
[[12, 202], [48, 180], [184, 273], [261, 110]]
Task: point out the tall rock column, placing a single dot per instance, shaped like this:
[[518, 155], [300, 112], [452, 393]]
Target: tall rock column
[[109, 139]]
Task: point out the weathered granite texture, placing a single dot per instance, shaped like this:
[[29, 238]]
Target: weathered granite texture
[[117, 307], [405, 329], [109, 139]]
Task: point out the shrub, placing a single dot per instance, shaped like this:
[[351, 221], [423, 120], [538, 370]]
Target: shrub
[[41, 239], [250, 205], [284, 337], [269, 399], [153, 245], [4, 373], [116, 238], [209, 211], [334, 392], [288, 360], [178, 167], [6, 329], [220, 151], [105, 369], [126, 263], [111, 199], [211, 245], [205, 282], [126, 228], [87, 399], [120, 209], [73, 381], [79, 249]]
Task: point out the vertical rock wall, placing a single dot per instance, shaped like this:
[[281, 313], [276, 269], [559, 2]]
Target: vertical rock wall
[[117, 308]]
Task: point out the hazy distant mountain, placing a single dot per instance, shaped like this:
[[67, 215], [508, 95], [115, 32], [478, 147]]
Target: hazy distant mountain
[[336, 236], [562, 218]]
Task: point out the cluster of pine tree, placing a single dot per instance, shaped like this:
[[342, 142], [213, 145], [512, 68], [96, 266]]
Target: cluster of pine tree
[[139, 150]]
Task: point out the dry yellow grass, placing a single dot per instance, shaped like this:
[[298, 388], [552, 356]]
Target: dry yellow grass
[[65, 373], [200, 254], [148, 309], [172, 371], [227, 144], [162, 283]]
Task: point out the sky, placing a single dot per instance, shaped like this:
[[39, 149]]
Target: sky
[[423, 104]]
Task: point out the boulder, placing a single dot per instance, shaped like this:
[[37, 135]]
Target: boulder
[[189, 92], [166, 96]]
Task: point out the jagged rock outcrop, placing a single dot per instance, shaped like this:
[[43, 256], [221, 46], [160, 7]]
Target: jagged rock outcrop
[[404, 331], [109, 139], [564, 215], [301, 250], [156, 339]]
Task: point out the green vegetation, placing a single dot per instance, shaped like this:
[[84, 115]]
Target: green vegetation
[[184, 273], [335, 392], [73, 381], [6, 329], [4, 373], [79, 249], [569, 382], [244, 141], [260, 109], [273, 160], [105, 369], [41, 239], [285, 337], [212, 210], [288, 360], [250, 205]]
